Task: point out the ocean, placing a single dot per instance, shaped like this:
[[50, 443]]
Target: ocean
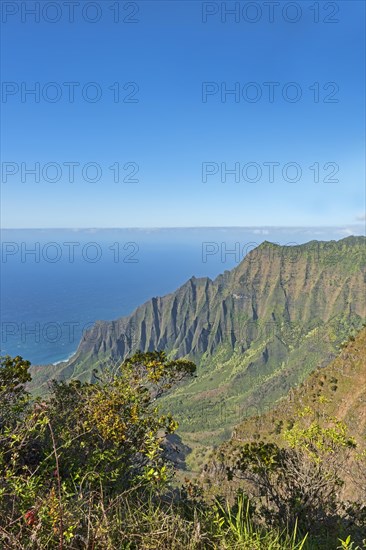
[[56, 282]]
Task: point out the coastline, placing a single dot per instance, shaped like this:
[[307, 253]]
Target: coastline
[[64, 360]]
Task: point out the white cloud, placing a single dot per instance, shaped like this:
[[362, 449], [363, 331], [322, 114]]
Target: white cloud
[[346, 231]]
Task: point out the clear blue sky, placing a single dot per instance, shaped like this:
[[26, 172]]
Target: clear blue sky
[[170, 132]]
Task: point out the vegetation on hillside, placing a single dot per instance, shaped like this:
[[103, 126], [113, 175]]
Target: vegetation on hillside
[[305, 460], [88, 468], [336, 391]]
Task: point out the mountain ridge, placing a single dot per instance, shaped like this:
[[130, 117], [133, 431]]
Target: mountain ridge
[[256, 330]]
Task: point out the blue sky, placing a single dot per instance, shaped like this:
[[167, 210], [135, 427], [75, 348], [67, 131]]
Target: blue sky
[[169, 133]]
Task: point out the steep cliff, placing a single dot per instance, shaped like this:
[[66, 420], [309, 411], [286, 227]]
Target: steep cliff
[[254, 332]]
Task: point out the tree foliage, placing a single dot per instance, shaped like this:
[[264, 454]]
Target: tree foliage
[[298, 484], [85, 442], [14, 374]]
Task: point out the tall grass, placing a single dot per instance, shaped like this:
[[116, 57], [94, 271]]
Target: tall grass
[[145, 521], [150, 525], [237, 530]]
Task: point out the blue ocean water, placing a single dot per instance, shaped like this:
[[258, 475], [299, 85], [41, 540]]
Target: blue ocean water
[[56, 283]]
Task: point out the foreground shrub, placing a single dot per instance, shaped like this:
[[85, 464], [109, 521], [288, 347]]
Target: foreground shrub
[[63, 458], [299, 485]]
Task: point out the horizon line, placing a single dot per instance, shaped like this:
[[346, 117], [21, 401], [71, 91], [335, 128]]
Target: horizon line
[[359, 224]]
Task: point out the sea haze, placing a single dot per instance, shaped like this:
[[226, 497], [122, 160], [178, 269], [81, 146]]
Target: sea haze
[[75, 277]]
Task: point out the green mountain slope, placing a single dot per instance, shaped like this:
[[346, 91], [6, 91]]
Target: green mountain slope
[[335, 391], [255, 332]]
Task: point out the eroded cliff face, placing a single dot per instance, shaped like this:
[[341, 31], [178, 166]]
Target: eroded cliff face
[[254, 332], [306, 285]]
